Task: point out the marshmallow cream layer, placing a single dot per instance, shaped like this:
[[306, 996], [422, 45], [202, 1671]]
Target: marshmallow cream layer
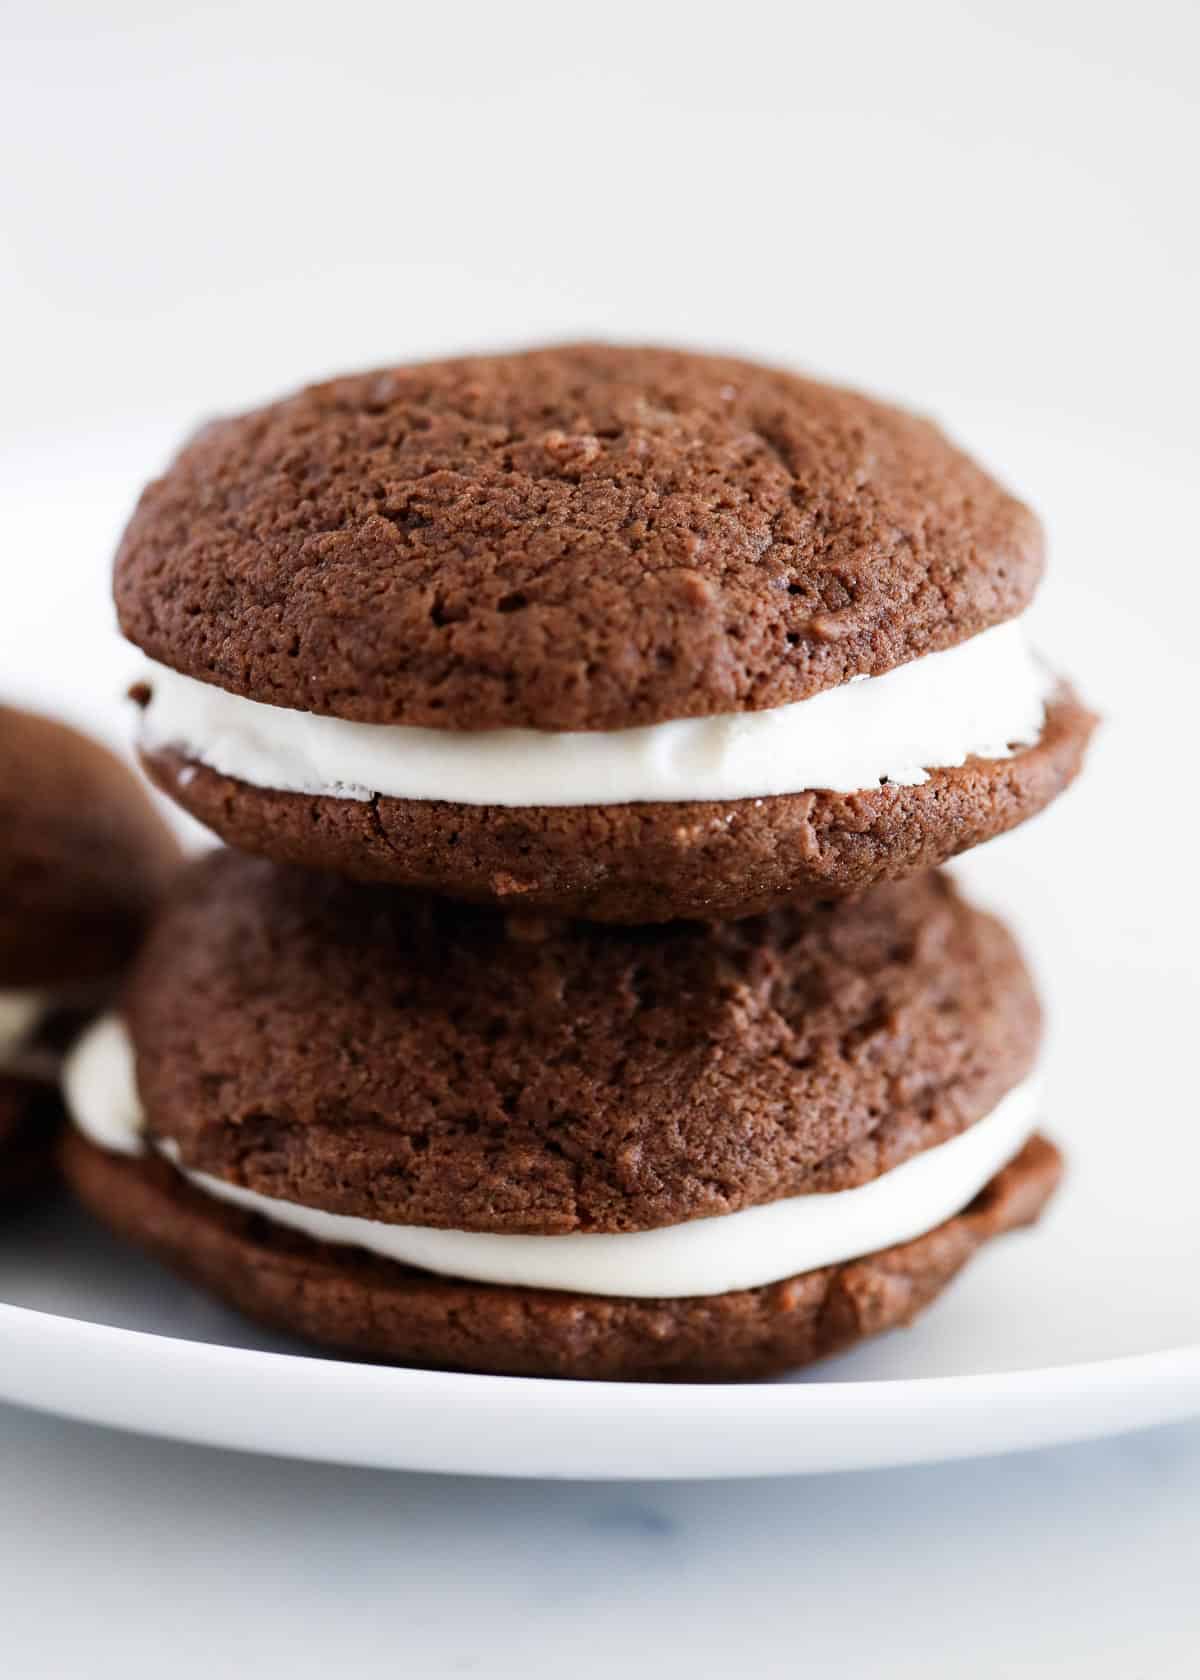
[[980, 699], [743, 1250]]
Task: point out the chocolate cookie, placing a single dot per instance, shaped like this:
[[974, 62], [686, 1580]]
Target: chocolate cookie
[[425, 1131], [84, 856], [583, 538], [429, 626], [383, 1055], [84, 859], [374, 1309]]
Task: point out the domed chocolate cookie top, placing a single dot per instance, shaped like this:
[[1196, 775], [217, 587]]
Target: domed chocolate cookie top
[[402, 1059], [84, 856], [580, 538]]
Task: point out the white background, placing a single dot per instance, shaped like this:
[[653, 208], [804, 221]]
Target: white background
[[987, 211]]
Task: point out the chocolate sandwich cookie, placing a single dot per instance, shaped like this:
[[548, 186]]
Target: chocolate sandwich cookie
[[628, 634], [422, 1131], [84, 858]]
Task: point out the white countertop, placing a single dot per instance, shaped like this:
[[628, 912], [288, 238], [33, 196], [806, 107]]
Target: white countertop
[[139, 1559], [984, 211]]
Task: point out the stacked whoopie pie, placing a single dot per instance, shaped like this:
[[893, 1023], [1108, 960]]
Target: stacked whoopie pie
[[84, 859], [601, 715]]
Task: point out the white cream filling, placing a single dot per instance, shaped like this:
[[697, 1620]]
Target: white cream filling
[[743, 1250], [20, 1013], [100, 1087], [979, 699]]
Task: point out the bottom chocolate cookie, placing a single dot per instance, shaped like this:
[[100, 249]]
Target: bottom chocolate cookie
[[357, 1304], [31, 1116], [643, 862]]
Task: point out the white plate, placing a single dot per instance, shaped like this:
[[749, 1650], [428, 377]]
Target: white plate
[[1087, 1325]]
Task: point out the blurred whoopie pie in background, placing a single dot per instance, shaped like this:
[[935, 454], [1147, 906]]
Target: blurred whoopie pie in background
[[84, 861]]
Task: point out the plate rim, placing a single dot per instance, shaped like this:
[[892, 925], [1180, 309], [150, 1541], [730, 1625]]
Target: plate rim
[[943, 1417]]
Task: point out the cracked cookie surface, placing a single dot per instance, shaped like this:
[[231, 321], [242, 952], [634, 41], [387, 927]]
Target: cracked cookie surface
[[397, 1057], [582, 537]]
